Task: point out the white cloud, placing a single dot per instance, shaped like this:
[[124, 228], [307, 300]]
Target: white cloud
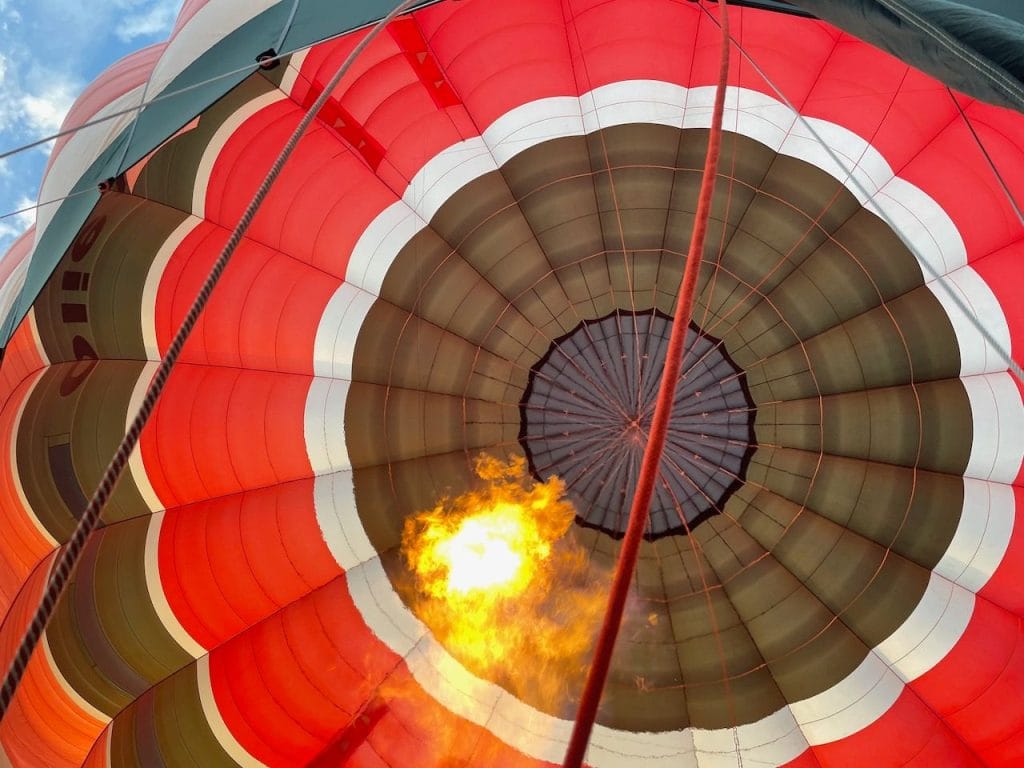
[[44, 112], [26, 215], [148, 21], [49, 50]]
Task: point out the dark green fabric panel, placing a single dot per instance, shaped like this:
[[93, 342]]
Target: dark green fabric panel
[[975, 46], [70, 216]]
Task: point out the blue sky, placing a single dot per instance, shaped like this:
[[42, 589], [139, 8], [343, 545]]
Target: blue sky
[[49, 51]]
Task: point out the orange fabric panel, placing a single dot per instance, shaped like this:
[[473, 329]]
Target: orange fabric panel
[[222, 572], [219, 431], [44, 726], [22, 544], [263, 315]]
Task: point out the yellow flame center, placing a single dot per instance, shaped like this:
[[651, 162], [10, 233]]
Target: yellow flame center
[[485, 552], [501, 584]]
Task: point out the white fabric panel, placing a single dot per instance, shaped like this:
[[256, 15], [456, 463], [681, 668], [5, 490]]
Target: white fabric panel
[[525, 728], [853, 703], [220, 729], [291, 73], [380, 243], [977, 355], [982, 535], [335, 343], [152, 285], [212, 23], [448, 171], [924, 226], [324, 425], [155, 588], [335, 503], [383, 610], [531, 124], [997, 448], [12, 286], [136, 462], [931, 630], [633, 101], [80, 151], [773, 740]]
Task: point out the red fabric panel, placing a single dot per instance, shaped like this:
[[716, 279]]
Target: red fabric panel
[[896, 108], [390, 102], [287, 686], [320, 205], [975, 202], [999, 132], [263, 315], [97, 757], [909, 734], [1004, 587], [1003, 274], [229, 563], [500, 56], [22, 358], [806, 759], [218, 431], [978, 689], [818, 68]]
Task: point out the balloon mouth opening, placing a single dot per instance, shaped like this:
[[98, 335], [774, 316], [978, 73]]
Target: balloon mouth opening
[[587, 408]]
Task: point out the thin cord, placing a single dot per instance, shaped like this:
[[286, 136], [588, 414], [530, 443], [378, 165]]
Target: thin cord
[[988, 158], [619, 591], [90, 518], [37, 206], [171, 94]]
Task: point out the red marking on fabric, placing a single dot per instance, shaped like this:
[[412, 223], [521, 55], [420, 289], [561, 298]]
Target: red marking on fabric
[[406, 33]]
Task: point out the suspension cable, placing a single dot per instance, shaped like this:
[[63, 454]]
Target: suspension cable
[[68, 559], [628, 554]]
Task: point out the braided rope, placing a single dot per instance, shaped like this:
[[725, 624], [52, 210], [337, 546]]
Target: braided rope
[[68, 559], [649, 468]]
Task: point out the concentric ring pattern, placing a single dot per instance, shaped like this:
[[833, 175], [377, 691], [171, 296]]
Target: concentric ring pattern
[[833, 580]]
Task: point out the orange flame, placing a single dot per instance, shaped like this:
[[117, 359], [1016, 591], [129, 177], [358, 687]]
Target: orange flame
[[502, 585]]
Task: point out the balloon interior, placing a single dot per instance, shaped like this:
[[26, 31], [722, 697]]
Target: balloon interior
[[374, 517]]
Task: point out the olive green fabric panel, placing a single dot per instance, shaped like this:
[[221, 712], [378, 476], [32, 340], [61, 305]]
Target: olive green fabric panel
[[387, 494], [402, 424], [839, 567], [73, 421], [928, 426], [400, 349], [909, 339], [81, 313], [913, 513], [169, 175], [166, 726], [432, 281], [106, 637]]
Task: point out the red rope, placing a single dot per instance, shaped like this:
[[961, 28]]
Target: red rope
[[598, 673]]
